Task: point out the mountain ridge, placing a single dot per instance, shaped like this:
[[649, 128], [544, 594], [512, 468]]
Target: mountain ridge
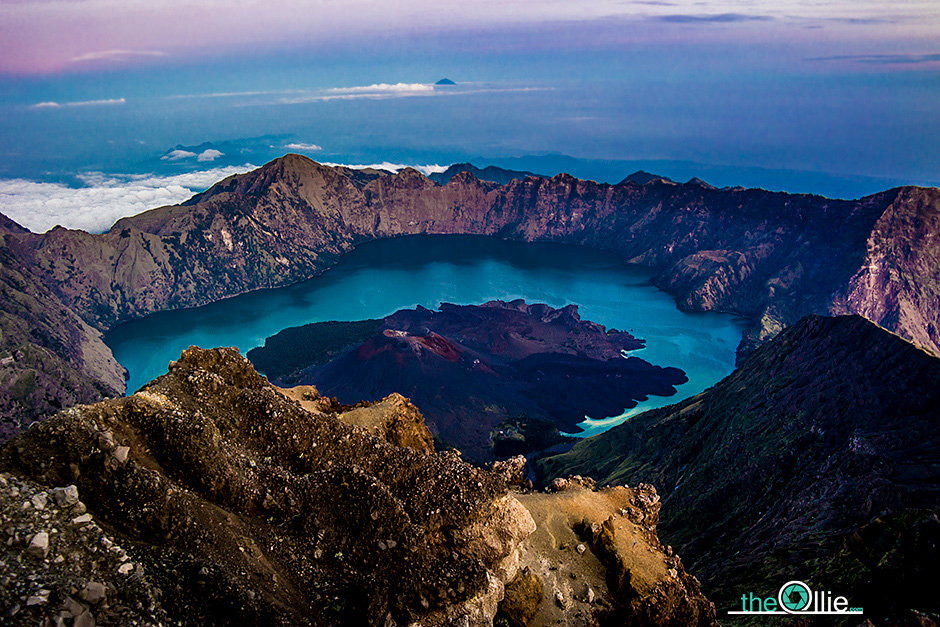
[[770, 257]]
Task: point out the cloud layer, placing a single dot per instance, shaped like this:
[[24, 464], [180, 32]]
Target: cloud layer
[[713, 18], [887, 59], [116, 55], [103, 199], [377, 91]]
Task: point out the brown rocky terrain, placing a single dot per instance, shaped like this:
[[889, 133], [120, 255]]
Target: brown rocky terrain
[[210, 497], [594, 559], [815, 460], [771, 257]]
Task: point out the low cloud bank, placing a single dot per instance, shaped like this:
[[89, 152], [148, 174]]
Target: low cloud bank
[[210, 154], [103, 199], [303, 146]]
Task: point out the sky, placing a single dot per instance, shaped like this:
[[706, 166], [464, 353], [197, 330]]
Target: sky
[[107, 106]]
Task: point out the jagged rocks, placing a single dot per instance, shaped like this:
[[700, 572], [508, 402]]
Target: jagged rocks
[[512, 470], [64, 574], [65, 496], [241, 503], [394, 419]]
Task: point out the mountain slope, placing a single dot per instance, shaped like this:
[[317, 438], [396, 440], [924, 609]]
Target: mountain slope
[[819, 451], [49, 357]]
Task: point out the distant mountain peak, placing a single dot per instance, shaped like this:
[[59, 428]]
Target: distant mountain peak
[[445, 81], [697, 181], [642, 177], [490, 173]]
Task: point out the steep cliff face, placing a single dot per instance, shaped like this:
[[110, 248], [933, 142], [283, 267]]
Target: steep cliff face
[[898, 284], [771, 257], [211, 497], [814, 460], [49, 357]]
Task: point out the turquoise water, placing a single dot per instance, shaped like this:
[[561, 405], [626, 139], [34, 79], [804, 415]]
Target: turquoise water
[[380, 278]]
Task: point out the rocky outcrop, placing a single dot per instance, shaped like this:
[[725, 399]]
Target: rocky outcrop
[[211, 497], [594, 559], [814, 460], [238, 504], [770, 257], [395, 419]]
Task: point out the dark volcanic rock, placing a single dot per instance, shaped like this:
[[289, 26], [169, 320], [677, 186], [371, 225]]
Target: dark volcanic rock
[[470, 368], [815, 460]]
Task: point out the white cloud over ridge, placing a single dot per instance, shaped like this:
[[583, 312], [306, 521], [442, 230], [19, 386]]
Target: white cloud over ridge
[[103, 199], [176, 155], [303, 146], [210, 154], [428, 169], [382, 88], [377, 91]]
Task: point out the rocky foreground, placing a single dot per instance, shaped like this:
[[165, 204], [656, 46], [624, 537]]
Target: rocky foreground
[[769, 257], [211, 497]]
